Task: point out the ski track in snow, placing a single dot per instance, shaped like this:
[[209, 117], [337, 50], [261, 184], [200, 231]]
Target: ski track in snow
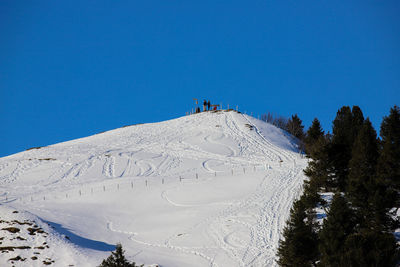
[[187, 250], [264, 230], [108, 168], [245, 231], [22, 167]]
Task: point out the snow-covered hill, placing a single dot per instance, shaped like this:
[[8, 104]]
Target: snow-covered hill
[[210, 189]]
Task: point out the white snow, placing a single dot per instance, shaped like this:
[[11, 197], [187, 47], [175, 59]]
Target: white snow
[[210, 189]]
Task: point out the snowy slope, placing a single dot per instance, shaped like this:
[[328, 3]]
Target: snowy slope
[[210, 189]]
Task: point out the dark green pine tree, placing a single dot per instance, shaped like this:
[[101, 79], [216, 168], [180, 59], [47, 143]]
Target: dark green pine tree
[[368, 193], [361, 181], [295, 127], [345, 129], [370, 249], [313, 134], [337, 227], [388, 168], [299, 246], [320, 168], [117, 259], [358, 120]]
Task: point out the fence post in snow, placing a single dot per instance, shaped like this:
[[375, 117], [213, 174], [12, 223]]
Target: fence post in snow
[[146, 182], [104, 188], [117, 186], [131, 184], [244, 170], [197, 176], [232, 171], [44, 198], [91, 191], [31, 199], [66, 195], [180, 178], [215, 174], [80, 193], [254, 168]]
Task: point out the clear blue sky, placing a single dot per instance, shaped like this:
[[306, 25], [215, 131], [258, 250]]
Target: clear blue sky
[[69, 69]]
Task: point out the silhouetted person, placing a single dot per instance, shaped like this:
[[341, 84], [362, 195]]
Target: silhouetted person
[[208, 105], [204, 105]]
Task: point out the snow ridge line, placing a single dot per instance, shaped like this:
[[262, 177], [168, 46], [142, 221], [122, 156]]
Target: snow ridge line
[[273, 154], [268, 144]]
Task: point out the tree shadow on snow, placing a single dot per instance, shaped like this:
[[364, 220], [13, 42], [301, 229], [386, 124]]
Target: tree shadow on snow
[[81, 241], [397, 236], [321, 216]]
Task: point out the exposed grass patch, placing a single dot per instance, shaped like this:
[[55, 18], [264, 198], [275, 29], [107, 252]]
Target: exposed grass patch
[[21, 223], [12, 248], [132, 125], [18, 258], [19, 238], [37, 147], [251, 127], [33, 231], [48, 261], [11, 229]]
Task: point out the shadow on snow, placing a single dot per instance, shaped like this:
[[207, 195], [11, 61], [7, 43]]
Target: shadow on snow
[[81, 241]]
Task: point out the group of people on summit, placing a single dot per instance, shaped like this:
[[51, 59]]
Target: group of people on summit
[[207, 105]]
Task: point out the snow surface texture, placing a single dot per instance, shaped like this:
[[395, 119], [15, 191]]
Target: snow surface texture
[[210, 189]]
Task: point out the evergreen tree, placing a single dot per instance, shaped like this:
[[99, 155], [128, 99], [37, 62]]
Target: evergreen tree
[[389, 160], [388, 169], [312, 135], [352, 160], [361, 182], [319, 169], [370, 248], [345, 129], [380, 203], [358, 120], [368, 193], [295, 127], [338, 225], [299, 247], [117, 259]]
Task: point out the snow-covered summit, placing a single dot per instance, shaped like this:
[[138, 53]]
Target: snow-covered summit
[[198, 143], [209, 189]]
